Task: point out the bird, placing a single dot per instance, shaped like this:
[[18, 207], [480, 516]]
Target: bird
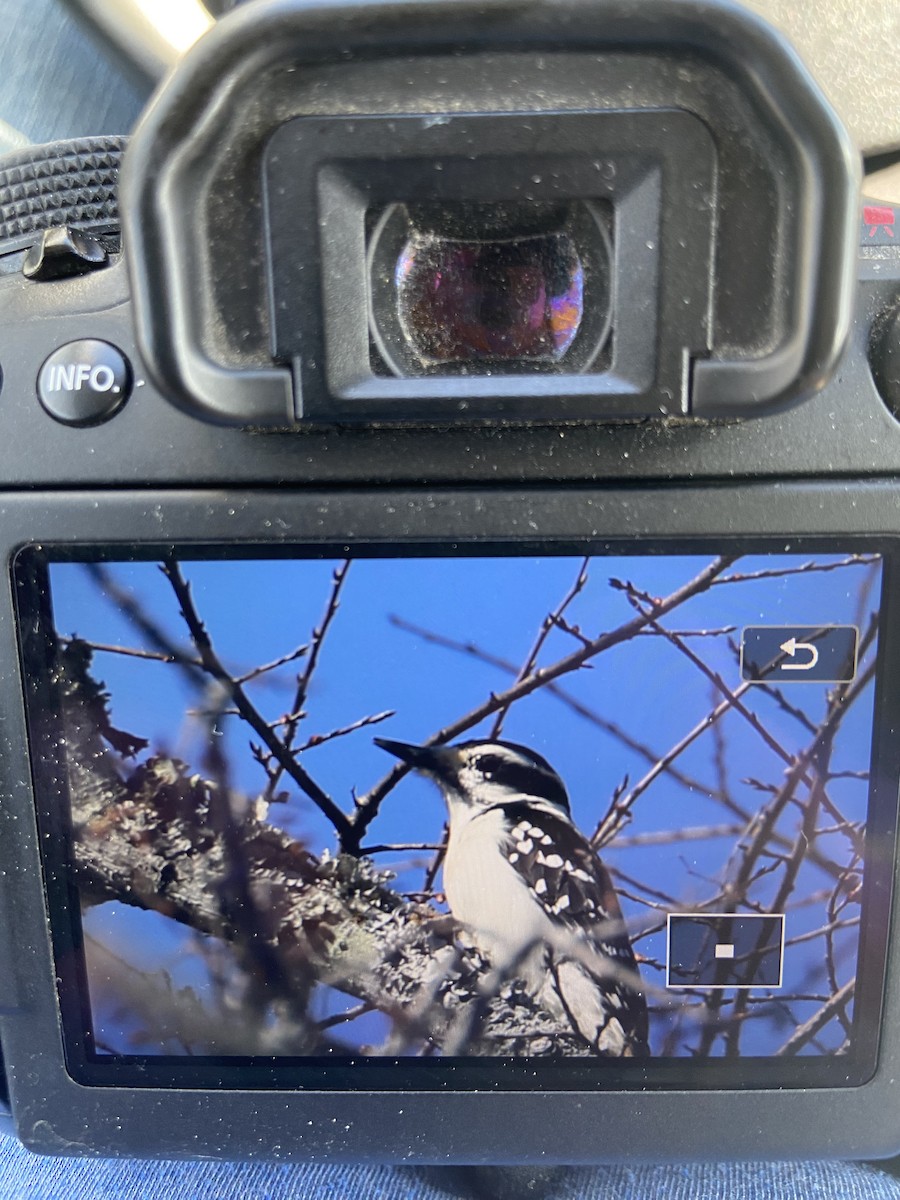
[[528, 887]]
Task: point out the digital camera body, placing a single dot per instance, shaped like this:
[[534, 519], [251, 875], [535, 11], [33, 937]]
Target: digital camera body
[[560, 329]]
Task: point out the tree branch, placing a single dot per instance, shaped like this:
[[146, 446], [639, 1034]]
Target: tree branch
[[367, 806], [304, 680], [150, 838], [551, 621], [807, 568], [807, 1031], [213, 666], [559, 693]]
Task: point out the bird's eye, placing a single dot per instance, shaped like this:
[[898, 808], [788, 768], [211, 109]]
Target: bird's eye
[[488, 765]]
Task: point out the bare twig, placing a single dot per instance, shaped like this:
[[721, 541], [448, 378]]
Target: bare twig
[[837, 903], [576, 633], [212, 665], [552, 620], [723, 631], [368, 805], [305, 678], [436, 863], [399, 847], [807, 568], [280, 722], [560, 693], [671, 837], [342, 1018], [163, 656], [265, 668], [720, 756], [808, 1030], [670, 903], [824, 931], [135, 612], [319, 739]]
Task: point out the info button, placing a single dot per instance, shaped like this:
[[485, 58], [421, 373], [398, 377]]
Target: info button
[[799, 653], [84, 383]]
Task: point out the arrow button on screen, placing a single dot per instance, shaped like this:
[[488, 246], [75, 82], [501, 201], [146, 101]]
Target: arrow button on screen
[[808, 655], [799, 653]]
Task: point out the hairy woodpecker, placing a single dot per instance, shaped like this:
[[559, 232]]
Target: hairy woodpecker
[[527, 885]]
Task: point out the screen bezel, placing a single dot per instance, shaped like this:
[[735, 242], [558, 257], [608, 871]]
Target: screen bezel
[[465, 1074]]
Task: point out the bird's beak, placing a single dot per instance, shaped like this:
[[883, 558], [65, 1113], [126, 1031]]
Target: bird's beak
[[435, 760]]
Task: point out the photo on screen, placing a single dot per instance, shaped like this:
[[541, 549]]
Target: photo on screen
[[655, 769]]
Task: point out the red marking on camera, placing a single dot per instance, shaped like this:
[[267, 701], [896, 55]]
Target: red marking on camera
[[879, 214]]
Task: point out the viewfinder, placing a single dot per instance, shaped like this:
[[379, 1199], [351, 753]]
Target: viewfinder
[[489, 288], [463, 301]]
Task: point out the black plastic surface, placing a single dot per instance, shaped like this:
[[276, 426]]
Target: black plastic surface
[[785, 185], [40, 586], [885, 355], [53, 1114], [656, 180], [844, 430], [71, 183], [827, 467], [63, 251]]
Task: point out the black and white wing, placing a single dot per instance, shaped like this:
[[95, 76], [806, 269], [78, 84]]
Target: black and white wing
[[592, 975]]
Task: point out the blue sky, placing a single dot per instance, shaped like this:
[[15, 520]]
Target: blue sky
[[256, 611]]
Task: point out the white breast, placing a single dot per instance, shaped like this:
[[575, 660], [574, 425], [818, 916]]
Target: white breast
[[490, 898]]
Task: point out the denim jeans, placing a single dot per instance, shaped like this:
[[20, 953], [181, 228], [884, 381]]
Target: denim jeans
[[26, 1177]]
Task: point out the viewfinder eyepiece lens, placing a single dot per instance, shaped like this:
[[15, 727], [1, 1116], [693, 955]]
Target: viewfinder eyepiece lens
[[479, 288], [490, 301]]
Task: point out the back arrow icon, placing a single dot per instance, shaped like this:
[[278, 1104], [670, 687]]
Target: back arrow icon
[[790, 648]]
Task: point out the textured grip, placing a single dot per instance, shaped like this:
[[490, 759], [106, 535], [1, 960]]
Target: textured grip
[[61, 183]]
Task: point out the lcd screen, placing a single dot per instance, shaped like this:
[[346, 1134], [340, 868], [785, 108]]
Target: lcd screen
[[667, 855]]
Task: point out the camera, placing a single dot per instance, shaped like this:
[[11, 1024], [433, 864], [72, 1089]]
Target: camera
[[450, 510]]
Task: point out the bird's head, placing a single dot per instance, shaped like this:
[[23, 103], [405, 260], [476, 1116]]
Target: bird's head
[[485, 774]]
